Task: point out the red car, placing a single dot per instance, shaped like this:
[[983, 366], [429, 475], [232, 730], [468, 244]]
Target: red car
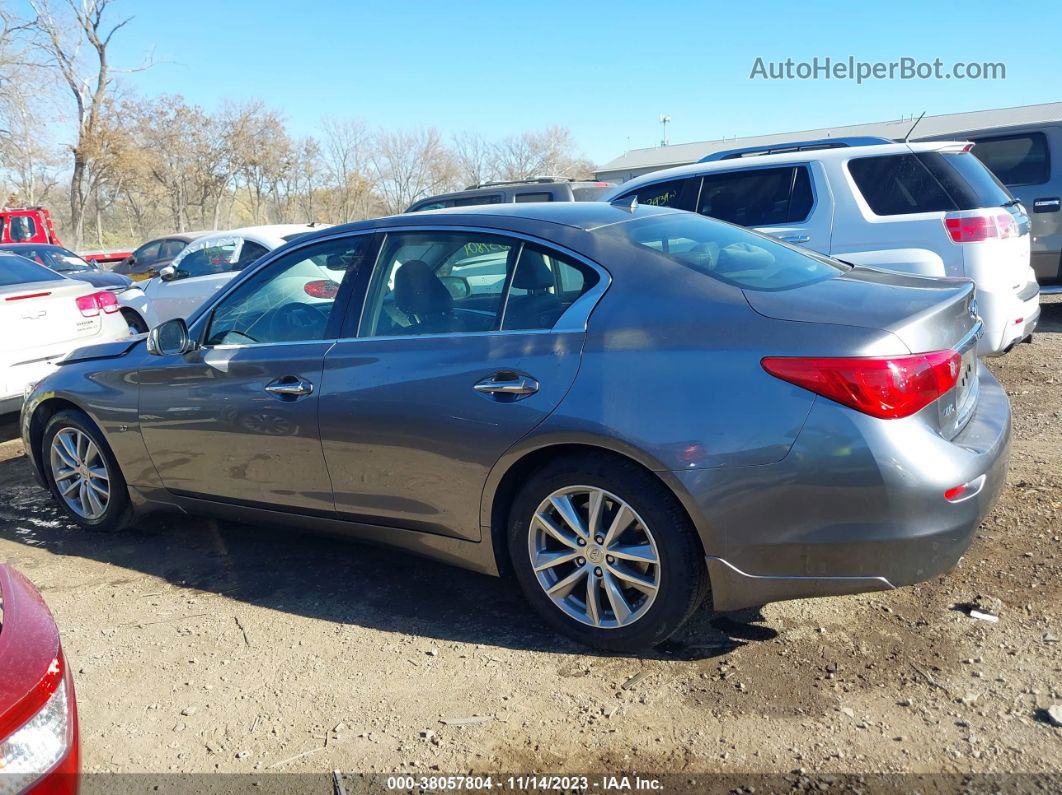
[[38, 713]]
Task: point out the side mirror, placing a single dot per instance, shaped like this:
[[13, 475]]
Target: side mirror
[[457, 286], [168, 274], [170, 339]]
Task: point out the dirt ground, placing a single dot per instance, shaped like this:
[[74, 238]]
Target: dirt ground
[[201, 646]]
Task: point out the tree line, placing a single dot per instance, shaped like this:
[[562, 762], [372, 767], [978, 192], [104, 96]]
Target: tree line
[[116, 168]]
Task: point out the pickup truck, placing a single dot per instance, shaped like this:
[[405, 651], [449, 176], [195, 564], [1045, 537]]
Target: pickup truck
[[34, 225]]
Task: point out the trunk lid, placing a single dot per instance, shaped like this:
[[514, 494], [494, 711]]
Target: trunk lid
[[926, 314], [40, 315]]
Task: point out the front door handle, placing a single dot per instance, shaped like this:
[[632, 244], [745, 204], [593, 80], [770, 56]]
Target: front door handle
[[795, 238], [289, 386], [507, 384]]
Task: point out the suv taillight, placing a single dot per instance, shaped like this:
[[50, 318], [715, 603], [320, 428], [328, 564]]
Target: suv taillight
[[974, 226], [885, 387], [90, 305]]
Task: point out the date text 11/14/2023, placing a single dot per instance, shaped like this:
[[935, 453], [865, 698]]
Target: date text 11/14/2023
[[524, 783]]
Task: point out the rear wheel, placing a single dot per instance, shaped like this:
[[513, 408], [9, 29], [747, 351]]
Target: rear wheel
[[605, 553], [82, 473], [137, 324]]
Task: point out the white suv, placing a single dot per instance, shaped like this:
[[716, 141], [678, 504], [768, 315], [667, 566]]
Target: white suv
[[925, 208]]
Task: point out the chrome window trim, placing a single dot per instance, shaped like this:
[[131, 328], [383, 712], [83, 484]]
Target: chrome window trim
[[576, 317]]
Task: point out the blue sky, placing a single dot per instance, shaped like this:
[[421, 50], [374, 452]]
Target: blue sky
[[606, 70]]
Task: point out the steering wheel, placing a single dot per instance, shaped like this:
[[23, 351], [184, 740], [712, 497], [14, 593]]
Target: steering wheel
[[296, 321]]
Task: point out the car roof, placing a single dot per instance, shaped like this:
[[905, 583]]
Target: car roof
[[784, 158], [273, 234], [9, 246]]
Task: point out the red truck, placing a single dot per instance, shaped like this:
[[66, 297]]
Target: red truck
[[34, 225]]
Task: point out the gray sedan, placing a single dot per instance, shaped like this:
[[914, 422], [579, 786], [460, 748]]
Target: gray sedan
[[624, 409]]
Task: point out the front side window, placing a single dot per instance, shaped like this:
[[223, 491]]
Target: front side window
[[1016, 159], [249, 252], [732, 255], [758, 197], [467, 282], [290, 300], [208, 258], [662, 194], [22, 228]]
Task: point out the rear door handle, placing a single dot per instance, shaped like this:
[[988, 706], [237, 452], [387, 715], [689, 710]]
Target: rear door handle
[[507, 384], [1052, 205], [289, 386]]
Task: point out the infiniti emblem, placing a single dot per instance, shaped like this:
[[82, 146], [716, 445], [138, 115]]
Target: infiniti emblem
[[595, 554]]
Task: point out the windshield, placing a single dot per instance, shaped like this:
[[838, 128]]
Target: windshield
[[19, 270], [733, 255]]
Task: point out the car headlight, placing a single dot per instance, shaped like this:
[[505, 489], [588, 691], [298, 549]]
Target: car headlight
[[38, 745]]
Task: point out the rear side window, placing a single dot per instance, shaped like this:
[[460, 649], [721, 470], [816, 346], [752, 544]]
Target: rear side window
[[18, 270], [898, 185], [470, 201], [732, 255], [758, 197], [149, 253], [1016, 159], [249, 252], [533, 197], [926, 182]]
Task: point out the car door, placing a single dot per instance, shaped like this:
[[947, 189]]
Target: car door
[[788, 202], [236, 419], [467, 340]]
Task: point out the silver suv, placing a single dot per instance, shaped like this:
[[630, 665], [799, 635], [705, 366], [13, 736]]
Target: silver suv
[[538, 189]]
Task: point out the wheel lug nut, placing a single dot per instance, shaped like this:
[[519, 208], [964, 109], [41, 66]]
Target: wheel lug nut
[[599, 539], [582, 542], [597, 571], [609, 559], [580, 561]]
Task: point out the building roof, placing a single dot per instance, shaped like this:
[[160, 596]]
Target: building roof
[[640, 161]]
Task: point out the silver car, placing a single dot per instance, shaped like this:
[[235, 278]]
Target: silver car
[[622, 408]]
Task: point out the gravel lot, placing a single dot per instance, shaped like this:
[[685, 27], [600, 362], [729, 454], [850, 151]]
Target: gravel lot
[[201, 646]]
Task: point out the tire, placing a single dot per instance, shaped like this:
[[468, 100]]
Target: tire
[[655, 516], [137, 324], [73, 426]]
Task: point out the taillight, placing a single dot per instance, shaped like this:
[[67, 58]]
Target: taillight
[[43, 738], [322, 288], [885, 387], [974, 226], [90, 305]]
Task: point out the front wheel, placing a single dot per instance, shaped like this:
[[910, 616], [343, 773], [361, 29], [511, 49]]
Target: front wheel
[[82, 473], [605, 553]]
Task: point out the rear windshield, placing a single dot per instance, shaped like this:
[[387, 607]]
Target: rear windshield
[[926, 182], [728, 253], [18, 270], [589, 193]]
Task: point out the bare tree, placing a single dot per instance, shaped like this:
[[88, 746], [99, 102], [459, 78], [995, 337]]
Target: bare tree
[[550, 152], [345, 152], [475, 157], [408, 165], [63, 39]]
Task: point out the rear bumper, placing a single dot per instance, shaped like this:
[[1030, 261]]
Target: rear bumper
[[858, 505], [1008, 318]]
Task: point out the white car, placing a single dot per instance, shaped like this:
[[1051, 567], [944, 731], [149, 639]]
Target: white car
[[44, 316], [209, 263], [927, 208]]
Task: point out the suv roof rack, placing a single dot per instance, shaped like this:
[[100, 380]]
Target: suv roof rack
[[531, 181], [795, 146]]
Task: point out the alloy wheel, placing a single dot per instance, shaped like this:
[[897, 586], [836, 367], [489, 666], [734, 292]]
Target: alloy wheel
[[80, 473], [594, 557]]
